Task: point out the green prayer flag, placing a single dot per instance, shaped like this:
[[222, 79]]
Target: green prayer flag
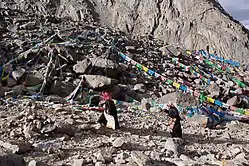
[[241, 111], [139, 66], [169, 81], [202, 97]]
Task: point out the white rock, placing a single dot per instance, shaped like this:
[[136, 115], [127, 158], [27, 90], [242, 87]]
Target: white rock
[[140, 159], [235, 151], [100, 157], [118, 142], [240, 156]]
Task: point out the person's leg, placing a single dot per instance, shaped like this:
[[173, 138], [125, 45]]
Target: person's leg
[[177, 129], [116, 122], [102, 120]]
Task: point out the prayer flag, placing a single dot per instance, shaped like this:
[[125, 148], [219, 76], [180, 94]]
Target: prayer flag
[[139, 66], [175, 84], [210, 100], [233, 108], [169, 81], [183, 88], [218, 103], [241, 111], [128, 59], [122, 55], [151, 72], [224, 105], [163, 78], [145, 68], [157, 75], [247, 112], [133, 62], [188, 52]]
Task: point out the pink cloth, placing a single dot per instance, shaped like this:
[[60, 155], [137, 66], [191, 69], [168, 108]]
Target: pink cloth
[[106, 96]]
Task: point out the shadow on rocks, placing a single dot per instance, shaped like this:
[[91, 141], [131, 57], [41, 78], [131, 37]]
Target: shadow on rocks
[[162, 163], [145, 132], [195, 138]]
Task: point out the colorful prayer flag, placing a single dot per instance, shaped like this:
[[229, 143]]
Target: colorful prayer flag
[[183, 88], [247, 112], [151, 72], [189, 52], [175, 84], [224, 105], [139, 66], [157, 75], [163, 78], [210, 100], [169, 81], [122, 55], [145, 68], [133, 62], [218, 103], [233, 108], [241, 111], [128, 59]]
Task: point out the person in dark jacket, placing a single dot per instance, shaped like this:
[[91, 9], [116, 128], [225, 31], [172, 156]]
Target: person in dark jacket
[[109, 117], [175, 124]]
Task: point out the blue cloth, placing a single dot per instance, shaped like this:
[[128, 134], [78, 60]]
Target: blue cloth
[[122, 55], [151, 72], [217, 102], [183, 88], [212, 110]]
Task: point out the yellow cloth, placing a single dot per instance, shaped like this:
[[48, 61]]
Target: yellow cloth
[[188, 52], [145, 69], [247, 112], [175, 84], [210, 100]]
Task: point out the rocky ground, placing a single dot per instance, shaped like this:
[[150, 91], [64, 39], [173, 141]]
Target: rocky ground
[[50, 57], [61, 135]]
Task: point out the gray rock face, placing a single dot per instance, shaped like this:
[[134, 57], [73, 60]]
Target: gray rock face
[[14, 160], [97, 81], [193, 24], [62, 88], [82, 66]]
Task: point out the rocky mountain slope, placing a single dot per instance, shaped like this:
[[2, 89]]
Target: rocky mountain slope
[[52, 66], [193, 24]]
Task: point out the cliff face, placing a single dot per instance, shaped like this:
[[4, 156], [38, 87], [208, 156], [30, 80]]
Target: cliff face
[[193, 24], [190, 23]]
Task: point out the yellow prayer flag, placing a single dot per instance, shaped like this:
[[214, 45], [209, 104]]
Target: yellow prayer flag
[[188, 52], [247, 112], [145, 69], [175, 84], [210, 100]]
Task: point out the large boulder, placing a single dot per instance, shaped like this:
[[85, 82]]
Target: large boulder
[[62, 88], [168, 98], [104, 66], [232, 101], [213, 88], [99, 82], [34, 79], [82, 67]]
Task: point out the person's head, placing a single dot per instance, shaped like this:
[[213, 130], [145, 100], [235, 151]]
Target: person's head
[[106, 95]]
